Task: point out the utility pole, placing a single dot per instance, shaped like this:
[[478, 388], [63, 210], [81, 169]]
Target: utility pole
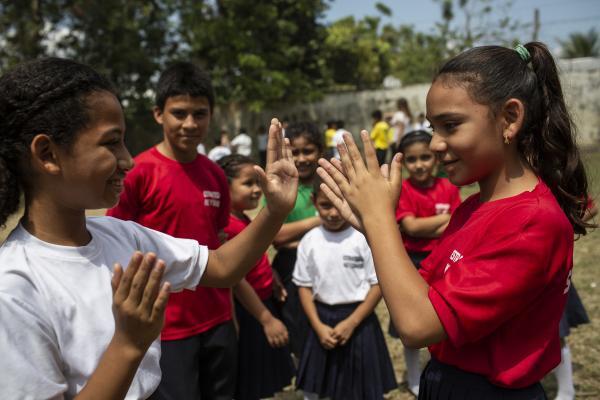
[[536, 23]]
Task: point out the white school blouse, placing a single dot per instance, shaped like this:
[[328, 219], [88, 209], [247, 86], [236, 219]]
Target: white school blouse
[[56, 306], [338, 266]]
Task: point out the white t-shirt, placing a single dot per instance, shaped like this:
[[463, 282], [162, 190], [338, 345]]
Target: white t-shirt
[[242, 144], [56, 306], [400, 118], [338, 138], [218, 152], [338, 266]]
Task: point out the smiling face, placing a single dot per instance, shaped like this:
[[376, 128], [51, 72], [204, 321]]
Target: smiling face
[[419, 161], [467, 138], [185, 121], [244, 189], [92, 169], [306, 155]]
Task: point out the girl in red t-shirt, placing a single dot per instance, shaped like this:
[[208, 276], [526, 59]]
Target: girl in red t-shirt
[[264, 362], [488, 299], [423, 213]]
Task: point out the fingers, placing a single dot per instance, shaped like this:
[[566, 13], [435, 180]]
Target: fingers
[[116, 278], [329, 182], [274, 145], [395, 178], [346, 162], [262, 177], [160, 304], [287, 150], [152, 288], [354, 154], [338, 181], [370, 156], [126, 278], [141, 278]]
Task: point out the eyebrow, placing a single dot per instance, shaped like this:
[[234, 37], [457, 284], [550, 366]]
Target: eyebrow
[[443, 116], [112, 131]]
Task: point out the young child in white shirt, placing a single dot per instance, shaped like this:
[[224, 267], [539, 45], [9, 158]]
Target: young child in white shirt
[[345, 355]]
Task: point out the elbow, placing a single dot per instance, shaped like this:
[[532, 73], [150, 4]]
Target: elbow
[[415, 336]]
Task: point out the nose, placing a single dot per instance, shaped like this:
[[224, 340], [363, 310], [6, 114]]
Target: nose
[[189, 122], [125, 161], [437, 144]]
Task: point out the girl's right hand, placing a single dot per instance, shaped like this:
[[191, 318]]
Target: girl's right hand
[[276, 332], [326, 336], [354, 187], [139, 302]]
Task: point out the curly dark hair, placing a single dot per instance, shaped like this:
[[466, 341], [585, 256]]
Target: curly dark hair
[[307, 130], [42, 96], [492, 75]]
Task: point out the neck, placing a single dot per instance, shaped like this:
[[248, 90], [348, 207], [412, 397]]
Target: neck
[[512, 180], [54, 223], [428, 183], [239, 214], [169, 151]]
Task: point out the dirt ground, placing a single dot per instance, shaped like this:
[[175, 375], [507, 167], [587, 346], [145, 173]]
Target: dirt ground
[[584, 341]]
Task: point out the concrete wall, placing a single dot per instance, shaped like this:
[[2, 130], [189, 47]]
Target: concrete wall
[[580, 79]]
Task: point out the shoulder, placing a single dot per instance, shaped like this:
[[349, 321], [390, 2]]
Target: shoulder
[[210, 167], [311, 237]]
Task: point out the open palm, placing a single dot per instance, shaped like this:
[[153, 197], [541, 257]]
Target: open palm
[[279, 180]]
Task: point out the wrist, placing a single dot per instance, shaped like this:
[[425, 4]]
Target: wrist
[[379, 217], [266, 318], [127, 351]]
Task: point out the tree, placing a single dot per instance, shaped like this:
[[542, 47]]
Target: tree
[[258, 53], [581, 45]]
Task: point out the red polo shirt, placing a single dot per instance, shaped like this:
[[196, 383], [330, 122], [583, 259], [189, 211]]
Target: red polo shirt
[[185, 200], [498, 281]]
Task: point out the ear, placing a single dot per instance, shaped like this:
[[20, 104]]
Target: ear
[[44, 156], [513, 115], [157, 112]]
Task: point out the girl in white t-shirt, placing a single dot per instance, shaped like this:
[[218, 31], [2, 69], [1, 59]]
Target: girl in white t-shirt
[[345, 355], [75, 323]]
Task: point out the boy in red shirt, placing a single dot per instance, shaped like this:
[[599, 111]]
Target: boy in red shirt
[[175, 190]]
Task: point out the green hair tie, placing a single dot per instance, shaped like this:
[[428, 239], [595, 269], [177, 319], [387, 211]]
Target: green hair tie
[[523, 52]]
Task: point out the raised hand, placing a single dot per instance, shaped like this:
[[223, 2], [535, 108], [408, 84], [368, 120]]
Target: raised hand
[[358, 190], [279, 180], [139, 301]]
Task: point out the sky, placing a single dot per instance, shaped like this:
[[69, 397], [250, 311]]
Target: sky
[[558, 18]]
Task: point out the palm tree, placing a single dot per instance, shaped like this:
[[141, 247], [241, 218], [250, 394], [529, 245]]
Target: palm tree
[[581, 45]]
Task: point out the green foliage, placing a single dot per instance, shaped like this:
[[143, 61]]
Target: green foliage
[[581, 45]]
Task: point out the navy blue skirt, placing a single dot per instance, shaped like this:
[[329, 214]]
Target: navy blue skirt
[[291, 310], [441, 381], [574, 314], [359, 370], [262, 369]]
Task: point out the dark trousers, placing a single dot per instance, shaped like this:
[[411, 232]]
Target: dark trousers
[[203, 366], [381, 155]]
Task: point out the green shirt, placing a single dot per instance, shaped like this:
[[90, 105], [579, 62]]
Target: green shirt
[[303, 208]]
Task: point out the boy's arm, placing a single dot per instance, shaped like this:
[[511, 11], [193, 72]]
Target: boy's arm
[[275, 331], [425, 227], [293, 230], [344, 329], [228, 264]]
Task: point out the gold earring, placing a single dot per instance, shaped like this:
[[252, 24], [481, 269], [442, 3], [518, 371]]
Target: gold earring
[[506, 140]]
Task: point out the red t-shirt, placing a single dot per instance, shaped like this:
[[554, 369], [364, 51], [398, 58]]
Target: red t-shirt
[[185, 200], [498, 280], [442, 197], [260, 277]]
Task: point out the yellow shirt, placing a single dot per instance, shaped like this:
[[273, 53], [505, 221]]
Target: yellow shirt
[[380, 135], [329, 137]]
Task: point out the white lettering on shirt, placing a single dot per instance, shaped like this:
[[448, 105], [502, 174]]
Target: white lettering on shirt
[[212, 199], [454, 257], [442, 208]]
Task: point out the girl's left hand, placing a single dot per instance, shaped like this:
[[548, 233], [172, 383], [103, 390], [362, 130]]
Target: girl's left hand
[[276, 332], [279, 180], [358, 190], [343, 331]]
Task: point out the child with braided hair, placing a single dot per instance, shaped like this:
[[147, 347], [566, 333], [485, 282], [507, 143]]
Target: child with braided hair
[[75, 322]]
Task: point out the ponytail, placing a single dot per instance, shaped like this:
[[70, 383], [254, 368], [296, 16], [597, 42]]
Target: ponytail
[[10, 191], [494, 74], [552, 150]]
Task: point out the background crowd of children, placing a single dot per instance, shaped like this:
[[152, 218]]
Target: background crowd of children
[[247, 329]]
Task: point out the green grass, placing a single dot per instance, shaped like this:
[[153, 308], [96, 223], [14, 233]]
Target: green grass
[[584, 341]]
